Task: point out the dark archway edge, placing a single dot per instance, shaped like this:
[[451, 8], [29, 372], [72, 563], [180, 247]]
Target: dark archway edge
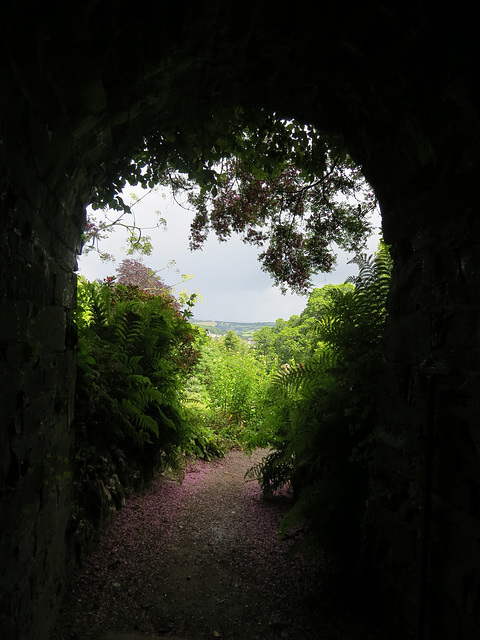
[[81, 85]]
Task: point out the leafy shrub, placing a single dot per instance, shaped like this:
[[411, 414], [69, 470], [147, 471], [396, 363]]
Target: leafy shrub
[[227, 391], [292, 341], [135, 351], [322, 414]]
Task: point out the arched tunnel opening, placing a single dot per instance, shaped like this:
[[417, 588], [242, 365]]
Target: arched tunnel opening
[[227, 395], [396, 85]]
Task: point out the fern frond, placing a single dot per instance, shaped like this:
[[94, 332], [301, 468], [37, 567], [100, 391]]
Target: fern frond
[[272, 473], [99, 306], [324, 410], [140, 420], [290, 378], [128, 324]]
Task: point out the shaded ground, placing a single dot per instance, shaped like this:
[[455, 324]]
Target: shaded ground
[[202, 560]]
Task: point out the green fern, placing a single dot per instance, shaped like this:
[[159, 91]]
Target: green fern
[[128, 324], [324, 410], [290, 378], [146, 426], [133, 342], [273, 472]]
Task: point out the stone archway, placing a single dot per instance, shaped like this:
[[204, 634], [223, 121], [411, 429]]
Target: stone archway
[[79, 91]]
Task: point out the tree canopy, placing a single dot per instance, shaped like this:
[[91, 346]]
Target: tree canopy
[[281, 184], [294, 340]]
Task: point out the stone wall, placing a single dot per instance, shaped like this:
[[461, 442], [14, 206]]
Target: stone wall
[[40, 238], [422, 530], [42, 192]]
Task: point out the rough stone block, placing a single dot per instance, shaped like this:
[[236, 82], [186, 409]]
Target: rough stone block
[[47, 330]]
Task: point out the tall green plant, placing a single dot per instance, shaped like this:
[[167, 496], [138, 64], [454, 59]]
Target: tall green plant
[[135, 351], [132, 354], [322, 413], [292, 341], [228, 389]]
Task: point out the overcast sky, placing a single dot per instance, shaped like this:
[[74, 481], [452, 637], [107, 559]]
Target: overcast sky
[[226, 275]]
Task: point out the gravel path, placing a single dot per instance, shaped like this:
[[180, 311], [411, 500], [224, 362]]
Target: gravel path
[[202, 560]]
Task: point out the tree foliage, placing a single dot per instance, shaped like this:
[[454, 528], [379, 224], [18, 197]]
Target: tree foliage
[[121, 215], [135, 273], [280, 184], [292, 341], [292, 217]]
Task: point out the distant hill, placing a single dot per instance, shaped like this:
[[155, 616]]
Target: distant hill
[[244, 330]]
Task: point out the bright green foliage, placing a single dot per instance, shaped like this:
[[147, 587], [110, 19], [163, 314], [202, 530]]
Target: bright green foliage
[[134, 352], [228, 389], [284, 343], [232, 342], [293, 341], [322, 413]]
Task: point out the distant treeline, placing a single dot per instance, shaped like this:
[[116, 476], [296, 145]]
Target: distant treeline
[[244, 330]]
